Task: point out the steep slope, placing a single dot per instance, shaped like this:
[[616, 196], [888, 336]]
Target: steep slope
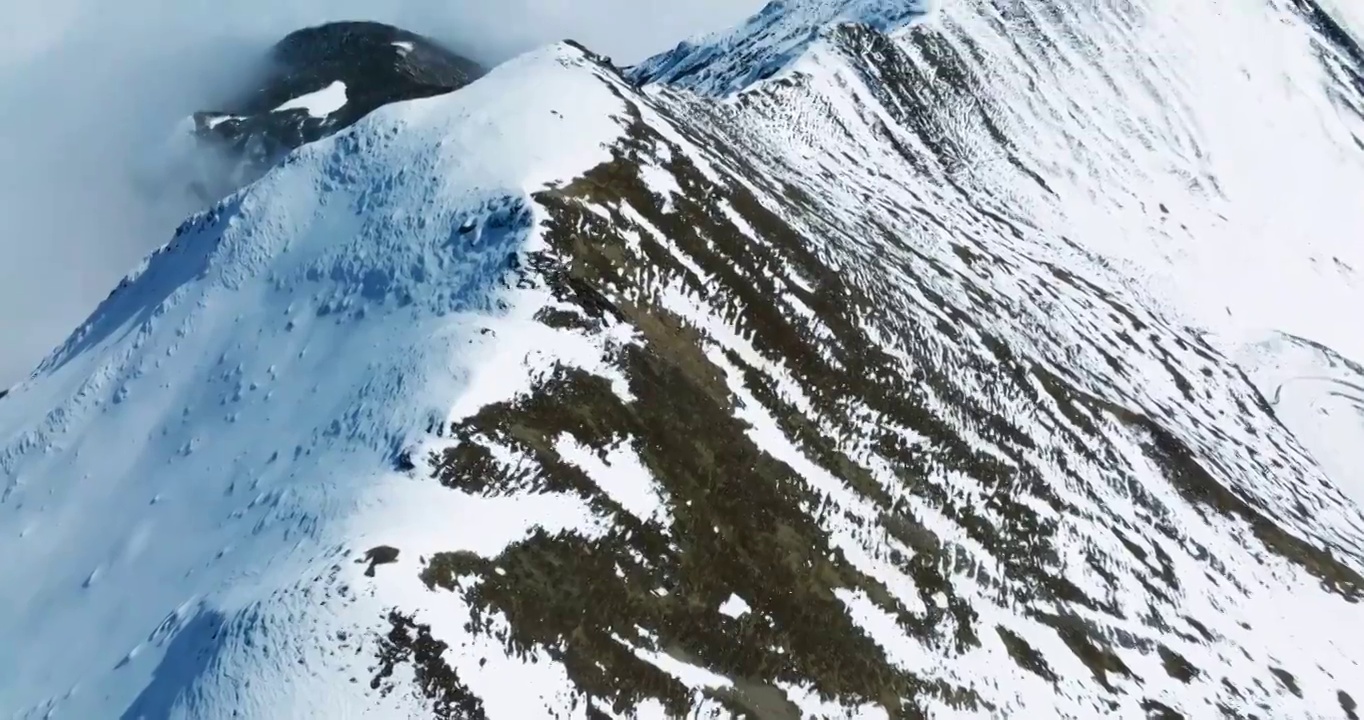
[[727, 62], [886, 386], [183, 473]]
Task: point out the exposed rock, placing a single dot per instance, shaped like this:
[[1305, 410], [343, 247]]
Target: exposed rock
[[321, 80]]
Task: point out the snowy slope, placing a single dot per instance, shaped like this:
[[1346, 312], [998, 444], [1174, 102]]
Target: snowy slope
[[203, 444], [1319, 395], [729, 61], [856, 362], [317, 82], [1234, 206]]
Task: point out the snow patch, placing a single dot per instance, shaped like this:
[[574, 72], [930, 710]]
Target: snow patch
[[621, 474], [319, 103], [734, 607]]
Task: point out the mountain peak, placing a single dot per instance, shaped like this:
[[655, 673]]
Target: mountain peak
[[316, 81], [726, 62]]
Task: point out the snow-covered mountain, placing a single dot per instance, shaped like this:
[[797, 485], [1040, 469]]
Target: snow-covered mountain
[[313, 83], [866, 360]]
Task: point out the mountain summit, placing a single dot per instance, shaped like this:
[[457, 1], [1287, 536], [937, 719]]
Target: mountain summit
[[855, 363], [318, 81]]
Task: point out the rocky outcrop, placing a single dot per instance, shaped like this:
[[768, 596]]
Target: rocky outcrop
[[319, 81]]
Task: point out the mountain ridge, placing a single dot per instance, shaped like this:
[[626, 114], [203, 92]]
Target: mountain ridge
[[800, 404], [728, 62]]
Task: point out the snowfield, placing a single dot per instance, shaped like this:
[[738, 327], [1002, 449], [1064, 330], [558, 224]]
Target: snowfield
[[211, 438], [866, 360]]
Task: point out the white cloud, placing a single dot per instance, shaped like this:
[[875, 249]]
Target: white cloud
[[88, 88]]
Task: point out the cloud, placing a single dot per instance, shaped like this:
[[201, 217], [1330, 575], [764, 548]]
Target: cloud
[[90, 88]]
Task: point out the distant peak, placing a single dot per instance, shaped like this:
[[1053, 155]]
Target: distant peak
[[315, 82], [729, 61], [380, 63]]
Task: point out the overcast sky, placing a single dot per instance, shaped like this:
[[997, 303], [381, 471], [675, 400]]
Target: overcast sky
[[89, 89]]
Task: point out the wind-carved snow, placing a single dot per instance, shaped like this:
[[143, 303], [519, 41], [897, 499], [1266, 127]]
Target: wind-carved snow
[[319, 103], [1319, 395], [273, 358]]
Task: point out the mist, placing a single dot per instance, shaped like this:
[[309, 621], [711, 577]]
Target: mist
[[91, 90]]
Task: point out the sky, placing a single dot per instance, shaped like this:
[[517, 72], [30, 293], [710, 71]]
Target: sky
[[91, 90]]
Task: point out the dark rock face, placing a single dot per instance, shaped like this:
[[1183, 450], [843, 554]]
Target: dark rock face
[[321, 80]]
